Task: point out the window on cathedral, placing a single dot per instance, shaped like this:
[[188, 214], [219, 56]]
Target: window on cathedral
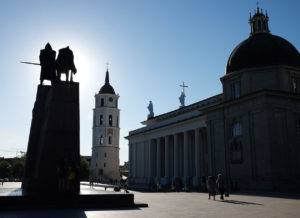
[[101, 140], [237, 129], [110, 120], [117, 121], [104, 164], [105, 154], [109, 140], [296, 85], [101, 120], [235, 90], [236, 152], [102, 102]]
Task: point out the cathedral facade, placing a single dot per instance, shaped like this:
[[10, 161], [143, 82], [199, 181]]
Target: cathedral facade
[[250, 133], [106, 135]]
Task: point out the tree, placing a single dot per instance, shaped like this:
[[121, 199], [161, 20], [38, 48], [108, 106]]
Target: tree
[[4, 169], [18, 169], [84, 169], [18, 166]]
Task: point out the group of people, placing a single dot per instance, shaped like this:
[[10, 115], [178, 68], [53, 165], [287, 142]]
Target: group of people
[[67, 176], [216, 184]]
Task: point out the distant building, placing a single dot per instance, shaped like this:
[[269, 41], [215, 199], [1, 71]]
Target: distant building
[[106, 133], [250, 132], [125, 166]]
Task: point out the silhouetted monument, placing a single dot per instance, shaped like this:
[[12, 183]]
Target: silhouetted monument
[[65, 63], [52, 161], [47, 62]]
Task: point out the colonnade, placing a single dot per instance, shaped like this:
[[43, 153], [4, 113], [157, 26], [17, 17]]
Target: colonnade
[[174, 157]]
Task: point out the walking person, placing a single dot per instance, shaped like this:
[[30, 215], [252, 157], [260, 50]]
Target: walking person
[[211, 187], [221, 186]]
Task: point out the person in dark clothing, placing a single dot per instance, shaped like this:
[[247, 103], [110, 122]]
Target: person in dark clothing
[[221, 186], [211, 187]]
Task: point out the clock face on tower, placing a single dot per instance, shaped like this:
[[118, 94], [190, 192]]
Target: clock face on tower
[[110, 99]]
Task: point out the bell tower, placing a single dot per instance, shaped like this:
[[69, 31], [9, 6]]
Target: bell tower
[[106, 132]]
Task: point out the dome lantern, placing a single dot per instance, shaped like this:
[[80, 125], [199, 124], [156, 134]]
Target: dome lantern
[[259, 22]]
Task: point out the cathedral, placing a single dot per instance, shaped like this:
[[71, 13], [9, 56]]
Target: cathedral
[[106, 133], [250, 132]]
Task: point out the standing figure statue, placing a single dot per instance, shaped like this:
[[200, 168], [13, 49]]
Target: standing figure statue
[[181, 99], [150, 108], [47, 62], [65, 63]]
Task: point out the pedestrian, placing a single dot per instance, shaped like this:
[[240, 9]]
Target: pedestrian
[[211, 187], [71, 179], [221, 186], [126, 186], [91, 182], [158, 186]]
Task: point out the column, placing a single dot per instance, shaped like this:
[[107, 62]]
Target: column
[[150, 165], [130, 162], [135, 170], [176, 158], [196, 179], [185, 158], [158, 160], [209, 148], [167, 160]]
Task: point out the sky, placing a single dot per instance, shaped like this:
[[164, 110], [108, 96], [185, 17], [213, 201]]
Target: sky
[[152, 47]]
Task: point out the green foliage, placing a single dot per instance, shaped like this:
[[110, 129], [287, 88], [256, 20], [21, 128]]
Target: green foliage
[[18, 169], [124, 173], [18, 166], [84, 169], [4, 169]]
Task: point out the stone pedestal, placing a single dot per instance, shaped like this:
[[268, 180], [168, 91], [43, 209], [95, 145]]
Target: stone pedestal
[[53, 140]]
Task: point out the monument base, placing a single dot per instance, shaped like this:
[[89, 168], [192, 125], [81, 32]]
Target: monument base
[[52, 159]]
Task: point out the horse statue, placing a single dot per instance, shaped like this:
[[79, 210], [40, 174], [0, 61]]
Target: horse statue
[[65, 63]]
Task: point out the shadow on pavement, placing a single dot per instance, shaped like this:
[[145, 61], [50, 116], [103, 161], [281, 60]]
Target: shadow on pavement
[[44, 214], [240, 202], [286, 195]]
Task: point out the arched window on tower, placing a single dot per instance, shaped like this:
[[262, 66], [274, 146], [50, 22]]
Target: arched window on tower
[[101, 140], [235, 90], [259, 25], [109, 139], [102, 102], [101, 120], [110, 120], [117, 121]]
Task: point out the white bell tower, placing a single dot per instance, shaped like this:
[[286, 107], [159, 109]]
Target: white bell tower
[[106, 133]]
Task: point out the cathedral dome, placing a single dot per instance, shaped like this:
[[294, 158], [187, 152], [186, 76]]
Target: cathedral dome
[[107, 88], [262, 48]]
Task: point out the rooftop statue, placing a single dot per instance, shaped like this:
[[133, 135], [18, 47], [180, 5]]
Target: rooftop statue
[[65, 63], [47, 62], [150, 108], [181, 99]]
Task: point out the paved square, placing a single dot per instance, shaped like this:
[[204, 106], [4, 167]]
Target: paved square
[[181, 204]]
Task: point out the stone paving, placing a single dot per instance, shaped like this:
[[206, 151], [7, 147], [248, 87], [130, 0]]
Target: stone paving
[[181, 204]]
